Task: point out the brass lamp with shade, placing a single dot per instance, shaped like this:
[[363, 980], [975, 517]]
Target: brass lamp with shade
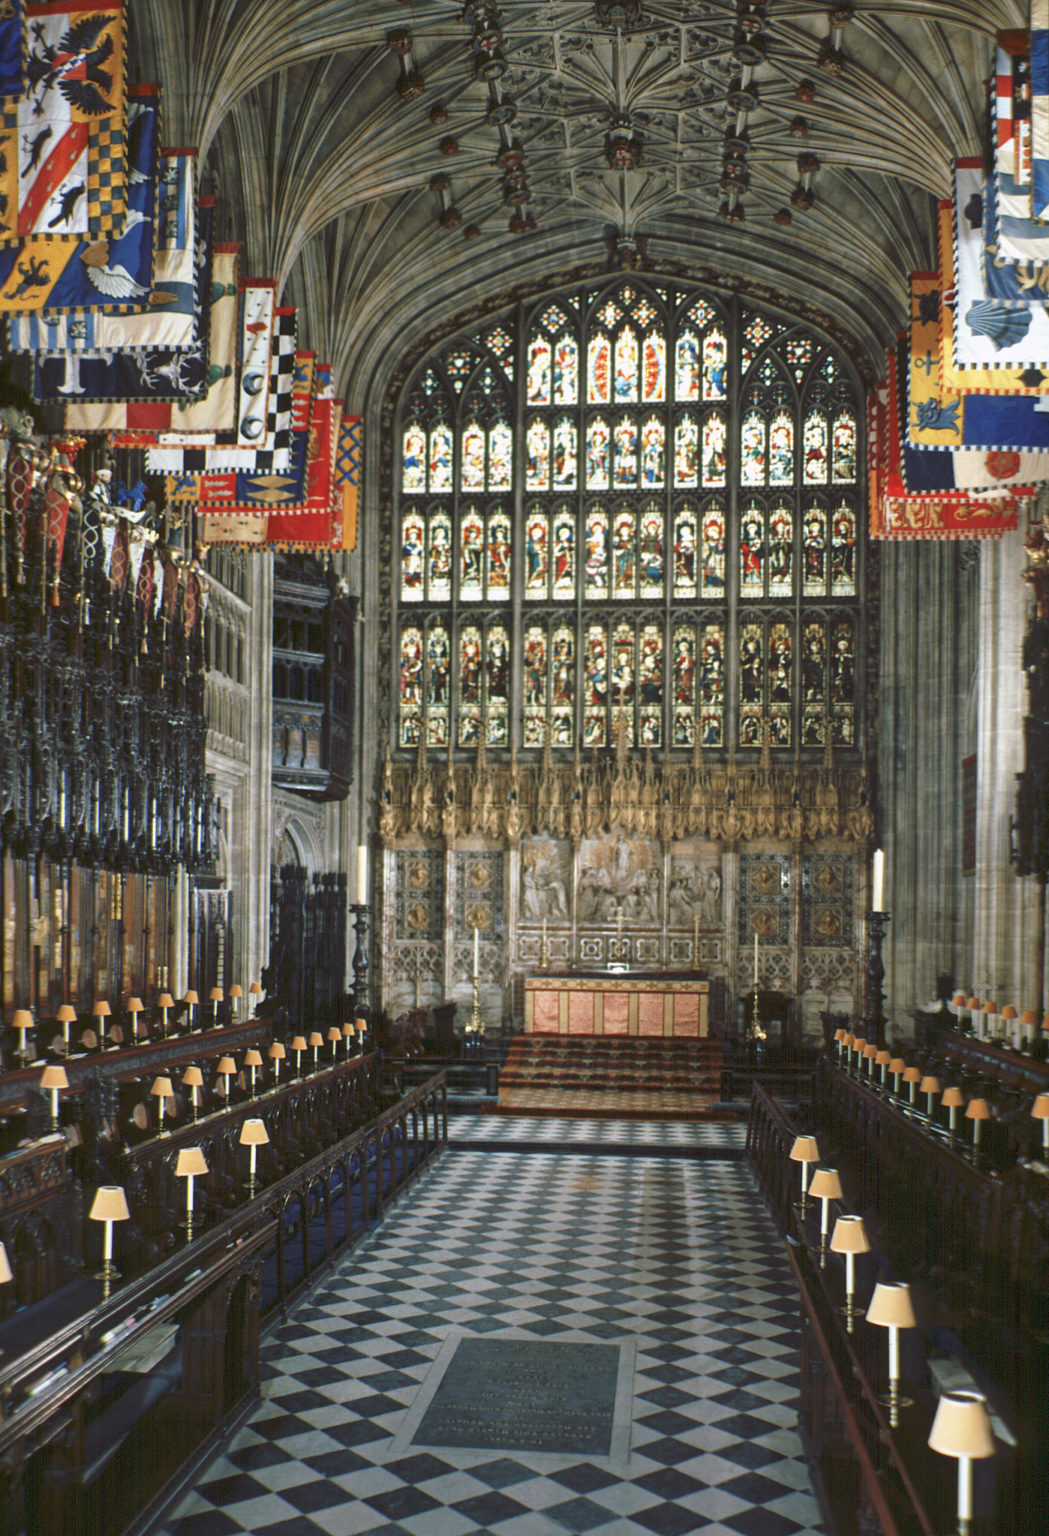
[[334, 1036], [962, 1428], [859, 1045], [23, 1023], [253, 1135], [953, 1100], [347, 1036], [164, 1002], [215, 996], [1040, 1111], [839, 1040], [850, 1238], [1028, 1027], [870, 1056], [191, 1164], [825, 1187], [975, 1011], [362, 1030], [891, 1307], [135, 1006], [897, 1067], [299, 1045], [978, 1111], [108, 1206], [958, 1005], [277, 1054], [882, 1062], [804, 1151], [162, 1091], [255, 991], [316, 1041], [930, 1087], [191, 998], [66, 1015], [6, 1272], [1010, 1025], [912, 1077], [236, 992], [193, 1079], [101, 1011], [53, 1079], [226, 1069], [252, 1060]]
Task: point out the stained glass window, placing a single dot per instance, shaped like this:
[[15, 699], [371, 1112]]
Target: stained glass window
[[688, 511]]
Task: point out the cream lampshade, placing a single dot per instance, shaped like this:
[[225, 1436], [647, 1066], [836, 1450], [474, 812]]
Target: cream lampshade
[[164, 1002], [191, 998], [108, 1206], [215, 997], [953, 1100], [52, 1079], [135, 1006], [850, 1238], [316, 1041], [253, 1135], [1010, 1026], [891, 1307], [1040, 1111], [252, 1060], [882, 1061], [804, 1151], [957, 1005], [255, 991], [990, 1020], [276, 1054], [23, 1022], [897, 1066], [362, 1030], [347, 1035], [66, 1015], [299, 1045], [162, 1091], [825, 1187], [191, 1164], [334, 1036], [839, 1041], [226, 1069], [930, 1086], [962, 1428], [978, 1111], [236, 992], [1028, 1027], [912, 1077], [870, 1056]]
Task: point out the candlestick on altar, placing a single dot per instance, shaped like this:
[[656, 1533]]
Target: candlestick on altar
[[476, 950], [878, 881], [755, 961]]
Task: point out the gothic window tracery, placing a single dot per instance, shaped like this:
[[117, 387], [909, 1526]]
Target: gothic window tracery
[[630, 509]]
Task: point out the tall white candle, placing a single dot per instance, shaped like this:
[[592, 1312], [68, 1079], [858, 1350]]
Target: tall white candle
[[755, 961], [362, 874], [251, 1162], [878, 880], [965, 1487], [107, 1242], [894, 1353], [476, 950], [189, 1194]]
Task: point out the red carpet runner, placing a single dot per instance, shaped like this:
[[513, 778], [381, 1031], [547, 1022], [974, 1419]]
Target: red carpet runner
[[616, 1077]]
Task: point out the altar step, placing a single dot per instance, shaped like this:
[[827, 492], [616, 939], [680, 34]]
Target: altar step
[[614, 1077]]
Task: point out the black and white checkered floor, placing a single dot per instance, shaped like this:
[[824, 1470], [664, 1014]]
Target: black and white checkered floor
[[677, 1252]]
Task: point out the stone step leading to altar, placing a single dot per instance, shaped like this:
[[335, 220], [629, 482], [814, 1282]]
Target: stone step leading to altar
[[622, 1076]]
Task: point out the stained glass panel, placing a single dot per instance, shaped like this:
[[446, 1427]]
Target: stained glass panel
[[751, 680], [814, 552], [843, 449], [537, 554], [437, 686], [714, 449], [471, 470], [752, 449], [814, 448], [564, 455], [685, 553], [781, 450], [701, 314], [626, 452], [597, 454], [564, 566], [715, 364], [469, 686], [535, 686], [626, 379], [714, 552], [686, 366], [566, 371], [500, 457], [651, 552], [780, 685], [596, 573], [413, 458], [599, 370], [653, 453], [752, 551], [843, 552], [411, 685], [441, 460], [650, 685], [539, 371], [813, 686], [623, 683], [562, 691], [684, 685], [624, 555], [498, 555], [798, 352], [712, 685], [471, 557], [412, 549], [439, 559], [781, 551], [497, 680], [686, 452], [537, 455], [842, 681], [595, 681], [654, 371]]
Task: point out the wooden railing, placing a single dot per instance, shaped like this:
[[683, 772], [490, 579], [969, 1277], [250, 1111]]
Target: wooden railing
[[108, 1406]]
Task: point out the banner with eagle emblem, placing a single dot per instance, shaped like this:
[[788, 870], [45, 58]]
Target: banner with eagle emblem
[[114, 273], [62, 138]]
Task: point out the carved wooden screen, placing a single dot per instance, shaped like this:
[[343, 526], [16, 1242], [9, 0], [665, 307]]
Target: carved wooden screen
[[630, 508]]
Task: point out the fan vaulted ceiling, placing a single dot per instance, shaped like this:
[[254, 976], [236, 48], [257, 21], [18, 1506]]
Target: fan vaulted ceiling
[[391, 163]]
